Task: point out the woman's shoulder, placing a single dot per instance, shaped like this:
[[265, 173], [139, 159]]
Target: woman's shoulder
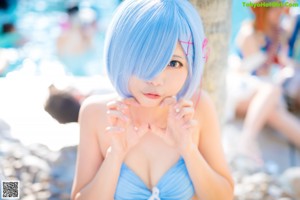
[[204, 98], [202, 101], [205, 111], [94, 106]]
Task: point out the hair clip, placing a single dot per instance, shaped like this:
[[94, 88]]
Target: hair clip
[[205, 49], [188, 43]]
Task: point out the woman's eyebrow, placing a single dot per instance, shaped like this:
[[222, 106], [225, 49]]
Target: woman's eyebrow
[[178, 56]]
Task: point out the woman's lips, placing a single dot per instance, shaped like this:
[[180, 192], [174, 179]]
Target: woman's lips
[[152, 96]]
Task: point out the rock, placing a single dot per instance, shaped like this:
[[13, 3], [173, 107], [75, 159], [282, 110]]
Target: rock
[[258, 178], [4, 127], [43, 152], [26, 177], [63, 170], [259, 186], [64, 196], [35, 163], [36, 187], [290, 180], [17, 164], [9, 172], [26, 191], [33, 166], [275, 191], [44, 195], [29, 197], [244, 165], [42, 176]]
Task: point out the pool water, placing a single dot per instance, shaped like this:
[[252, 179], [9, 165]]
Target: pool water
[[39, 22]]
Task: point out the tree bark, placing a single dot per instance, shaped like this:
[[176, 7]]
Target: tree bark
[[216, 17]]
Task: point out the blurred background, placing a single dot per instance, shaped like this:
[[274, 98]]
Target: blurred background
[[51, 60]]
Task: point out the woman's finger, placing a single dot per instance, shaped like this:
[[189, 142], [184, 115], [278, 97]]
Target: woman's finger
[[179, 106], [114, 129], [116, 105], [131, 102], [185, 113], [190, 124], [116, 117], [158, 131], [168, 101], [141, 130], [183, 103]]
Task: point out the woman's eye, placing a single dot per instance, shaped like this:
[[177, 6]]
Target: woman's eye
[[175, 64]]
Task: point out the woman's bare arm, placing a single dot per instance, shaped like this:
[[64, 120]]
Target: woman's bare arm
[[206, 163], [95, 177]]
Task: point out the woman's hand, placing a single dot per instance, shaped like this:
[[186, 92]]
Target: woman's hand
[[180, 124], [124, 133]]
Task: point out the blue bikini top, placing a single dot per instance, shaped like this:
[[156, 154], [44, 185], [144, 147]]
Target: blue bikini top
[[175, 184]]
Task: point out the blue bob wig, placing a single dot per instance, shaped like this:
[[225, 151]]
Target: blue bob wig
[[142, 37]]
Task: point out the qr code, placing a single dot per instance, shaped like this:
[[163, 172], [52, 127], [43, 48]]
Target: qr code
[[10, 189]]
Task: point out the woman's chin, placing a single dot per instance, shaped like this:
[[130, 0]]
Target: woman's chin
[[150, 102]]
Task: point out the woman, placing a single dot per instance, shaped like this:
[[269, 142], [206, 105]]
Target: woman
[[162, 140], [262, 48]]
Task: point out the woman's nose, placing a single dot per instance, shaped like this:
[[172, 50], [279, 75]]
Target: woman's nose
[[157, 81]]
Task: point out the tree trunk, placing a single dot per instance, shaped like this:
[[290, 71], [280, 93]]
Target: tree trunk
[[216, 17]]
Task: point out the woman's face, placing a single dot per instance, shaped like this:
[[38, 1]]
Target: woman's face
[[168, 83]]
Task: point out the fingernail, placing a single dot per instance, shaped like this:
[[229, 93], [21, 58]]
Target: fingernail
[[127, 119], [124, 106], [174, 99]]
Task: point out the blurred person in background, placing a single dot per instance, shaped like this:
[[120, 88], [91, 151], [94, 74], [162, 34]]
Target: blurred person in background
[[10, 41], [64, 98], [292, 27], [10, 37], [261, 48], [9, 34], [291, 83], [63, 105], [76, 46]]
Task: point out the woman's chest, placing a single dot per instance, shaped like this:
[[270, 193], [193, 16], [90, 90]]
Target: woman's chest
[[151, 158], [154, 171]]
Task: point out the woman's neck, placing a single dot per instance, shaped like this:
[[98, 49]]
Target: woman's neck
[[150, 115]]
